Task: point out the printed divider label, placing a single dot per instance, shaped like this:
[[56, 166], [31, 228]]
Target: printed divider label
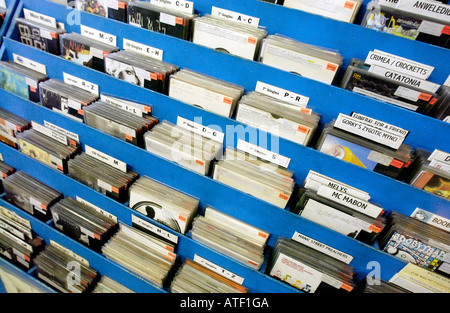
[[178, 5], [365, 130], [143, 49], [81, 83], [106, 158], [282, 94], [199, 129], [219, 270], [98, 35], [263, 153], [235, 16]]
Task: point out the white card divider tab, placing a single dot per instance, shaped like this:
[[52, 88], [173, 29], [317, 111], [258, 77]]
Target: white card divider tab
[[263, 153], [106, 158], [282, 94], [321, 247], [357, 127], [235, 16], [154, 229], [50, 133], [33, 65], [399, 64], [219, 270], [98, 35], [40, 18], [440, 156], [380, 124], [99, 210], [349, 201], [315, 180], [178, 5], [71, 135], [81, 83], [143, 49], [199, 129], [432, 219]]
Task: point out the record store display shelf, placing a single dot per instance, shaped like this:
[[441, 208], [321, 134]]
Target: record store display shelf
[[327, 100]]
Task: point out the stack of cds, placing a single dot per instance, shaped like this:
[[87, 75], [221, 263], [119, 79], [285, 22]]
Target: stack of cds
[[259, 178], [277, 117], [45, 149], [65, 98], [228, 36], [431, 172], [40, 36], [391, 87], [230, 236], [108, 285], [30, 194], [359, 150], [118, 122], [19, 244], [10, 125], [162, 203], [308, 269], [82, 222], [182, 146], [441, 111], [341, 10], [425, 21], [340, 207], [113, 9], [193, 277], [160, 19], [417, 242], [20, 80], [299, 58], [101, 176], [61, 270], [381, 286], [206, 92], [140, 70], [85, 51], [6, 171], [141, 253]]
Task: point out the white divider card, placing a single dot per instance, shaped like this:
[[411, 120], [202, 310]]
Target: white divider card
[[179, 5], [440, 156], [432, 28], [380, 124], [129, 106], [73, 138], [399, 64], [349, 201], [319, 246], [282, 94], [405, 79], [3, 4], [98, 35], [40, 18], [314, 180], [263, 153], [99, 210], [69, 252], [219, 270], [33, 65], [429, 8], [421, 280], [143, 49], [50, 133], [106, 158], [81, 83], [199, 129], [235, 16], [432, 219], [360, 127], [154, 229]]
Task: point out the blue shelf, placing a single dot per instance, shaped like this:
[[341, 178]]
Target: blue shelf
[[329, 101]]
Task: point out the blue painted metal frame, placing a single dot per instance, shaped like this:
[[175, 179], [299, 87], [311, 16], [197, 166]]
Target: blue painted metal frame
[[11, 6], [329, 100]]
